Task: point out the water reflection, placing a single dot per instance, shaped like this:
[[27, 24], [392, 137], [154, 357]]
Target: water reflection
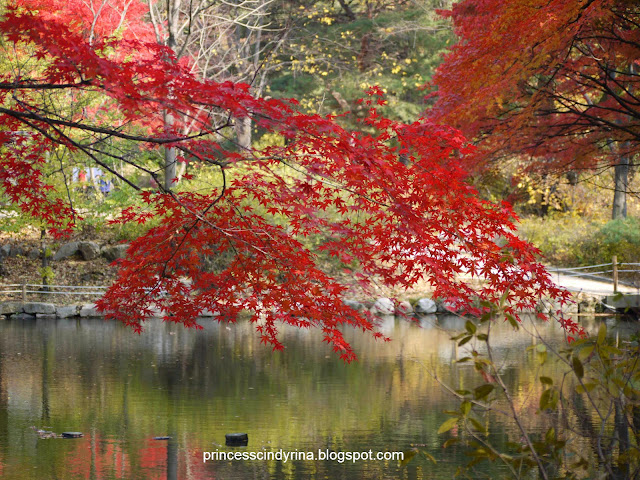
[[123, 389]]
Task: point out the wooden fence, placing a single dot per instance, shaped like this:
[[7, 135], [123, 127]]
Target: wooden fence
[[23, 290], [614, 272]]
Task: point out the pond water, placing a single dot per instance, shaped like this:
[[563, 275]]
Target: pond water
[[121, 390]]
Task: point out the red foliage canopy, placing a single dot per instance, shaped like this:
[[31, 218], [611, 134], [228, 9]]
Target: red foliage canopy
[[399, 223], [555, 80], [95, 19]]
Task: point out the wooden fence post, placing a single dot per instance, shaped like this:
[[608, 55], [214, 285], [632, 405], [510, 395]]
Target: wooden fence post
[[24, 292], [614, 262]]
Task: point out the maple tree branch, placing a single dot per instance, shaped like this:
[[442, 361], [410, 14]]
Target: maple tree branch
[[66, 184], [190, 228], [87, 149], [71, 142], [112, 132], [22, 85], [514, 413], [326, 180]]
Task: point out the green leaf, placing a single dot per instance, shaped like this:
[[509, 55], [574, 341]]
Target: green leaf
[[451, 441], [550, 436], [503, 299], [577, 366], [546, 381], [512, 320], [470, 327], [486, 304], [407, 456], [482, 337], [545, 399], [477, 425], [586, 387], [482, 391], [448, 425], [549, 399], [585, 352], [429, 456], [465, 408], [542, 357], [464, 340], [486, 317]]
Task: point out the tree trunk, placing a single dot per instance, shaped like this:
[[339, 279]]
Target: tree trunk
[[347, 10], [173, 25], [621, 183], [45, 260], [169, 157], [243, 132]]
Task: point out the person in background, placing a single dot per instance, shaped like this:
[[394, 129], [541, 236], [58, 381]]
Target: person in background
[[105, 185], [82, 179]]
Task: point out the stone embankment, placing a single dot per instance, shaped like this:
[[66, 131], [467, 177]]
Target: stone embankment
[[33, 310], [381, 306], [583, 302], [41, 310]]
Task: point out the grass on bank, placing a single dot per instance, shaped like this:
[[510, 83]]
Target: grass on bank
[[571, 241]]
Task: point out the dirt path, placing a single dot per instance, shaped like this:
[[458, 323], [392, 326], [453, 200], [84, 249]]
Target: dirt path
[[586, 285]]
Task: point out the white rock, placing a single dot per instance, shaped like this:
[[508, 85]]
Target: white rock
[[405, 307], [66, 250], [89, 250], [9, 308], [66, 311], [426, 306], [384, 306], [114, 252], [89, 310], [40, 307]]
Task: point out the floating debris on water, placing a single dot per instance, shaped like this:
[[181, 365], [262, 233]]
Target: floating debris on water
[[236, 439]]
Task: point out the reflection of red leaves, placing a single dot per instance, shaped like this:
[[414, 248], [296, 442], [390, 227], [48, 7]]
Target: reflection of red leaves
[[145, 461]]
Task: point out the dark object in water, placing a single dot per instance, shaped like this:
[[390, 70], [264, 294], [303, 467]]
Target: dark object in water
[[72, 435], [236, 439], [162, 438]]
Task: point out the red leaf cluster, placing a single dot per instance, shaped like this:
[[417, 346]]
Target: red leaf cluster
[[555, 81]]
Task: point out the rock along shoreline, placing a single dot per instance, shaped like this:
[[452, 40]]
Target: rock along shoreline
[[16, 310]]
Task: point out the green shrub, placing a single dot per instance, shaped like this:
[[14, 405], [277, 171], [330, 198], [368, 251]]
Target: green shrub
[[572, 241], [616, 237]]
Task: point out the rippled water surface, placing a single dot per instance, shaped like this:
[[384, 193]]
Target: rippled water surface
[[121, 390]]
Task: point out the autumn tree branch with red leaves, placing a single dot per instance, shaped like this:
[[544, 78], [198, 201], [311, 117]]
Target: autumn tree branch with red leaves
[[398, 222], [554, 82]]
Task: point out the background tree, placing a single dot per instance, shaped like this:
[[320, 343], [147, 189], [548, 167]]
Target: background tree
[[555, 82], [222, 41], [337, 49]]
